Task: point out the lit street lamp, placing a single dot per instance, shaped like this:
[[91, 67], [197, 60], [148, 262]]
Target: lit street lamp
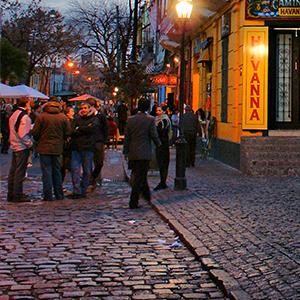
[[184, 10]]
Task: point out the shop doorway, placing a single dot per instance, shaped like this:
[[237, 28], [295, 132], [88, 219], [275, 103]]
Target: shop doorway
[[284, 78]]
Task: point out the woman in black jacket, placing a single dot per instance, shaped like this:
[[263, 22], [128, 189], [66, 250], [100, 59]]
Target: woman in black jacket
[[163, 126]]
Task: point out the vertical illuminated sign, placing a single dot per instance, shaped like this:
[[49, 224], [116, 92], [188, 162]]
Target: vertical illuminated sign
[[255, 83]]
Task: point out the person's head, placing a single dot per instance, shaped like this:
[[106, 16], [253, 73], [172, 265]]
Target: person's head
[[62, 103], [8, 107], [22, 101], [188, 108], [69, 112], [143, 104], [85, 107], [91, 101], [54, 99], [159, 111]]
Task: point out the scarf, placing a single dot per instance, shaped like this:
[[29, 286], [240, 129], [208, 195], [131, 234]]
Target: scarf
[[161, 118]]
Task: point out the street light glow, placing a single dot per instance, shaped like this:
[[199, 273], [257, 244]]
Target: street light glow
[[184, 9], [70, 64]]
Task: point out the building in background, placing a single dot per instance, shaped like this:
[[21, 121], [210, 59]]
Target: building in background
[[242, 65]]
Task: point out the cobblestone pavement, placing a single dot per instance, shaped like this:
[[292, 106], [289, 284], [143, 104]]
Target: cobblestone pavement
[[244, 229], [95, 248]]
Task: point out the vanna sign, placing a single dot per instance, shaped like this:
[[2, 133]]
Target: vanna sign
[[255, 73], [270, 9]]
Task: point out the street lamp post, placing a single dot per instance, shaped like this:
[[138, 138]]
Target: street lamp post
[[184, 9]]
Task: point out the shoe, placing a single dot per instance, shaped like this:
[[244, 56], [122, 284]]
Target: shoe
[[20, 200], [74, 196], [29, 165], [133, 205], [160, 186]]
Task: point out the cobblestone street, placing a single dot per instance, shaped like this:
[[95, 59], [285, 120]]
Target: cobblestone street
[[95, 248]]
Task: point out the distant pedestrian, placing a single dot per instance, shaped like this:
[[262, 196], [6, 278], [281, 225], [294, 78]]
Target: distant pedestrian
[[50, 130], [122, 110], [175, 126], [83, 140], [100, 135], [20, 143], [5, 115], [163, 126], [191, 128], [140, 131]]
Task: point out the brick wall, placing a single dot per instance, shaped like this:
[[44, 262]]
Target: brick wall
[[275, 156]]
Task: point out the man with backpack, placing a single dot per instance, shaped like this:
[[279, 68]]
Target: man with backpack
[[20, 143]]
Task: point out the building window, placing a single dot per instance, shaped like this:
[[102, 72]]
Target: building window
[[224, 88], [284, 77]]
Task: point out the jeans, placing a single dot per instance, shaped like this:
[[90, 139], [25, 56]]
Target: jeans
[[17, 174], [51, 176], [82, 159]]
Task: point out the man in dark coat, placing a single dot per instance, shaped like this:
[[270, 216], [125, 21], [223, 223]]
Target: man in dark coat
[[83, 140], [140, 130], [51, 129], [191, 128]]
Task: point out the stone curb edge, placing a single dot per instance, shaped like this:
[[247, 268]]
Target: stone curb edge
[[226, 282]]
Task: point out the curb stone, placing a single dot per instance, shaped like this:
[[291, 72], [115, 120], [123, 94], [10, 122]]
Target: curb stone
[[226, 282]]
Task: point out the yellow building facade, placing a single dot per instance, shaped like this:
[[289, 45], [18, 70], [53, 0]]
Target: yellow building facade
[[245, 62]]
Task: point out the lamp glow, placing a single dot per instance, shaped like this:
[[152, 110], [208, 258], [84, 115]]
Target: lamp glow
[[184, 9]]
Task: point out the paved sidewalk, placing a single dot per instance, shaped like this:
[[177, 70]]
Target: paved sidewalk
[[245, 230]]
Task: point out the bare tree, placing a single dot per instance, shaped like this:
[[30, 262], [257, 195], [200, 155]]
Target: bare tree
[[41, 35], [103, 34]]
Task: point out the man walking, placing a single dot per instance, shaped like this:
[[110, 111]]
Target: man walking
[[20, 143], [191, 127], [50, 131], [83, 140], [140, 130]]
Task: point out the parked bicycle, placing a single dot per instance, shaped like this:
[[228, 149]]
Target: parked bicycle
[[207, 140]]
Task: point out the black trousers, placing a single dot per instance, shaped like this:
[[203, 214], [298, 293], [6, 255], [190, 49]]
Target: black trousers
[[139, 181], [190, 148], [163, 160], [98, 159]]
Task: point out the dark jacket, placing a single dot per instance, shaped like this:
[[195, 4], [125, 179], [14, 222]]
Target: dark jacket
[[140, 130], [190, 123], [84, 132], [51, 128], [102, 132], [122, 112]]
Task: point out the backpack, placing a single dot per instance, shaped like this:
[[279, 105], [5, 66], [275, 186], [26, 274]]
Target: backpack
[[18, 122]]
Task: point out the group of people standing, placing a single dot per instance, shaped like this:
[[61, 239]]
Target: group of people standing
[[65, 142], [55, 131]]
